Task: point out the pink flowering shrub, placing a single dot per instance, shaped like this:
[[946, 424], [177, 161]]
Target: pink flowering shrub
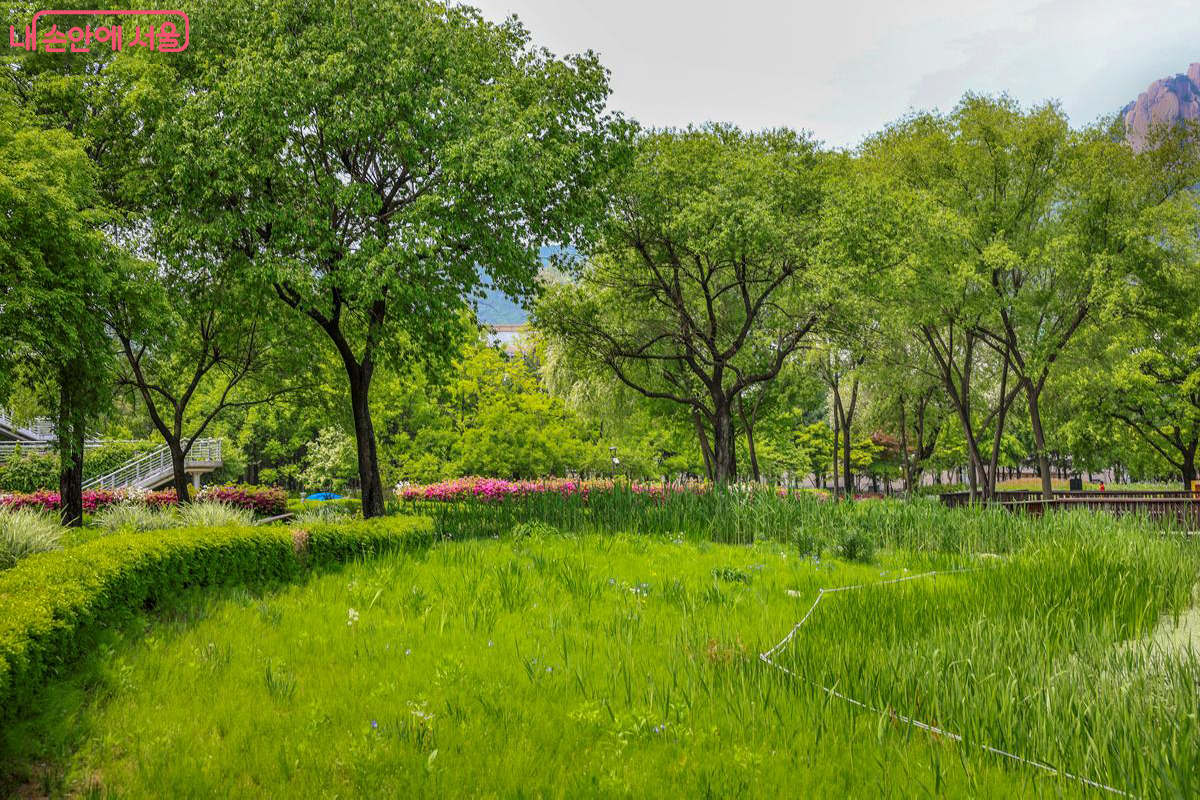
[[44, 500], [492, 490], [497, 489], [266, 501], [263, 500], [160, 499]]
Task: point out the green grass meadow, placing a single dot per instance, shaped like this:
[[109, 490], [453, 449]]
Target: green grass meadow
[[580, 664]]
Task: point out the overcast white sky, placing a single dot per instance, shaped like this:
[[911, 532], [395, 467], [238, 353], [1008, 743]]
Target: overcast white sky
[[842, 69]]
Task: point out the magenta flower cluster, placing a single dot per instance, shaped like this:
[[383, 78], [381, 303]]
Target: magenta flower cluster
[[498, 489], [262, 500], [44, 500], [267, 501]]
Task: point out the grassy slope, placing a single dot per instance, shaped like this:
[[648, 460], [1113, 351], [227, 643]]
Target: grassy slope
[[610, 665]]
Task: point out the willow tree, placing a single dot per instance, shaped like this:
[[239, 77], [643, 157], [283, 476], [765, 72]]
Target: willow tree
[[701, 281], [369, 160]]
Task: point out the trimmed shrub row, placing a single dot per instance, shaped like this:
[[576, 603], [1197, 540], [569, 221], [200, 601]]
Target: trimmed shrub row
[[348, 506], [53, 605]]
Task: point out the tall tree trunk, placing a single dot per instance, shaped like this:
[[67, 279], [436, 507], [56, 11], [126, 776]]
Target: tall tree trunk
[[370, 483], [749, 426], [973, 457], [1039, 439], [836, 433], [904, 449], [847, 471], [179, 478], [70, 435], [846, 417], [1189, 464], [705, 449], [724, 443], [1001, 413]]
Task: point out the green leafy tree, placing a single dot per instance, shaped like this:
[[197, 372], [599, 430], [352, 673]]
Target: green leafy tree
[[653, 437], [196, 342], [366, 158], [700, 283], [54, 261], [1022, 234], [491, 417], [1143, 376]]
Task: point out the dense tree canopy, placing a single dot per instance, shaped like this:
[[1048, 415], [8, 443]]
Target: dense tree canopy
[[701, 283], [279, 234], [396, 147], [54, 268]]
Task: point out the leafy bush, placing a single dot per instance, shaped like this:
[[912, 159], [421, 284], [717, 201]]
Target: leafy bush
[[133, 517], [28, 472], [330, 461], [104, 459], [214, 514], [532, 530], [52, 605], [856, 544], [23, 532]]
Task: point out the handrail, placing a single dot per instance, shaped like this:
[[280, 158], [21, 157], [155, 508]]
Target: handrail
[[41, 428], [7, 449], [134, 472], [1006, 496]]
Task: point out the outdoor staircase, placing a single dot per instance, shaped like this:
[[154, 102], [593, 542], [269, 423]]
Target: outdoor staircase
[[39, 431], [152, 470], [10, 449], [146, 471]]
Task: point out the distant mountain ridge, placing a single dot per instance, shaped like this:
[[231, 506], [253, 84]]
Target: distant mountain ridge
[[1166, 101], [497, 308]]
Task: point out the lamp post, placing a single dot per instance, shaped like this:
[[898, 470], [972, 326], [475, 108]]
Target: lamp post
[[612, 452]]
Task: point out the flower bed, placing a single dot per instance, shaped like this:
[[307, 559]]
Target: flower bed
[[499, 489], [263, 500], [267, 501], [48, 501]]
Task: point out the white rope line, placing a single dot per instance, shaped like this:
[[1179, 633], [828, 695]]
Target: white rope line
[[768, 658]]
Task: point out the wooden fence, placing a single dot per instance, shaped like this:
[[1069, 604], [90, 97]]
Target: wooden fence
[[1181, 507]]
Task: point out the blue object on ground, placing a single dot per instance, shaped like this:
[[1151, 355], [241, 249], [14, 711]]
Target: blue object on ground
[[324, 496]]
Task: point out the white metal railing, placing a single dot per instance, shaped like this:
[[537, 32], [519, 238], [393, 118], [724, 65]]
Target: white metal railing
[[41, 428], [7, 449], [138, 471]]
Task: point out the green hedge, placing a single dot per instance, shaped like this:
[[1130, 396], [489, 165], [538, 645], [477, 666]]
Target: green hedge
[[53, 605], [346, 505]]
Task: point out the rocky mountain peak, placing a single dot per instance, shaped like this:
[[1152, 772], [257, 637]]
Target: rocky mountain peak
[[1166, 101]]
